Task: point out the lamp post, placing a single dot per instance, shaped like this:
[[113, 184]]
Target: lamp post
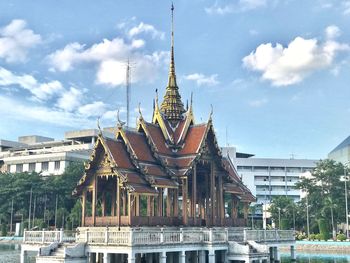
[[345, 178], [307, 218], [279, 217]]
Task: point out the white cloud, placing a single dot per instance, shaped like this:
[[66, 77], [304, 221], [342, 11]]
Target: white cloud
[[40, 91], [74, 53], [110, 57], [20, 111], [332, 32], [96, 108], [15, 40], [145, 28], [143, 68], [346, 7], [289, 65], [202, 79], [70, 100], [258, 103], [240, 6]]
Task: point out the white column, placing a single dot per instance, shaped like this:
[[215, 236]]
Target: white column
[[182, 257], [131, 257], [202, 256], [23, 256], [162, 257], [106, 257], [292, 253], [211, 256]]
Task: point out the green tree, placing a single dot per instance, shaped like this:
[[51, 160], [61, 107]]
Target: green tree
[[281, 208], [325, 192]]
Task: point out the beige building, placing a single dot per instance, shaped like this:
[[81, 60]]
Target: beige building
[[45, 155]]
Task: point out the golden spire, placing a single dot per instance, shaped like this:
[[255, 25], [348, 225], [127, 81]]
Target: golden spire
[[172, 106]]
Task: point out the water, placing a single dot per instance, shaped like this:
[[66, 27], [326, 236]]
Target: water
[[10, 253], [317, 258]]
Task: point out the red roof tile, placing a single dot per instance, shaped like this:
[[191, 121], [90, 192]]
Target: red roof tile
[[139, 145], [158, 138], [193, 139], [119, 154]]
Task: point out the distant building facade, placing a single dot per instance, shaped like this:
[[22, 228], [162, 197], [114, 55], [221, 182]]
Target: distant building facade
[[341, 153], [45, 155], [270, 177]]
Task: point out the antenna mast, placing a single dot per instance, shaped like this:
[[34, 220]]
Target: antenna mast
[[127, 93]]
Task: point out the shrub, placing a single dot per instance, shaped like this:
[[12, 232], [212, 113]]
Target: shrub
[[319, 237], [341, 237], [3, 230], [300, 236], [324, 229], [312, 237]]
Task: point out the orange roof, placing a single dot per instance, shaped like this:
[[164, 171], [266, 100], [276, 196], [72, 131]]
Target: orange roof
[[195, 136], [119, 154]]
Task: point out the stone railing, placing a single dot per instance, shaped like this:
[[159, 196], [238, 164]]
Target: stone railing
[[127, 236], [48, 237], [269, 235], [150, 236]]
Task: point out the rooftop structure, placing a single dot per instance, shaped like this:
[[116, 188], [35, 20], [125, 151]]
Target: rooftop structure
[[45, 155]]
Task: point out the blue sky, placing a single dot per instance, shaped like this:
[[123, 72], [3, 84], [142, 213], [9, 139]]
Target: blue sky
[[276, 72]]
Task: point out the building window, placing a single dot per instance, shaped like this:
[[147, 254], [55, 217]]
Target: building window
[[45, 166], [19, 168], [57, 165], [31, 167]]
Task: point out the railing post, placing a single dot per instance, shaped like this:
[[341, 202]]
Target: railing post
[[226, 233], [181, 235], [245, 235], [24, 235], [131, 236], [42, 236], [210, 235], [87, 235], [61, 235], [162, 235], [106, 235]]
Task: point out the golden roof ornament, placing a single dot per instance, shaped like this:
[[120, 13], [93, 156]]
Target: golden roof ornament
[[172, 107]]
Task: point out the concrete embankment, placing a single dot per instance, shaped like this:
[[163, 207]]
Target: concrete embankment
[[323, 246], [11, 240]]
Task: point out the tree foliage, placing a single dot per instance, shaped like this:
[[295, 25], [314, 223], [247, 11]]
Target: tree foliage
[[18, 187]]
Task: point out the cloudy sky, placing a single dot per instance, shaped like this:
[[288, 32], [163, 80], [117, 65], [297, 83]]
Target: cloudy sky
[[276, 72]]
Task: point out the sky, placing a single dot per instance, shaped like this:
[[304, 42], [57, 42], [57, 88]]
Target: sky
[[276, 72]]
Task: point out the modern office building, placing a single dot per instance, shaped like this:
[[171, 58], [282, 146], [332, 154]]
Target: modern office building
[[270, 177], [341, 153], [45, 155]]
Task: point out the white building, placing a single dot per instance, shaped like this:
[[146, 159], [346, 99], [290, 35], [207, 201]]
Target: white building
[[341, 153], [270, 177], [45, 155]]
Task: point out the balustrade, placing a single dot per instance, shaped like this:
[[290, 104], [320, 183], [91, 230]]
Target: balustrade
[[126, 236]]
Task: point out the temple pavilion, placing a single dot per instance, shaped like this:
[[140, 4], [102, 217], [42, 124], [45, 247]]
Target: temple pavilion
[[165, 172]]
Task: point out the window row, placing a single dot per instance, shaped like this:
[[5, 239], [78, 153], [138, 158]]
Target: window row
[[32, 166]]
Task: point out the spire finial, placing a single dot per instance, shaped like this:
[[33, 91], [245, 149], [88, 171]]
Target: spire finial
[[172, 60], [120, 123], [98, 126], [172, 107]]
